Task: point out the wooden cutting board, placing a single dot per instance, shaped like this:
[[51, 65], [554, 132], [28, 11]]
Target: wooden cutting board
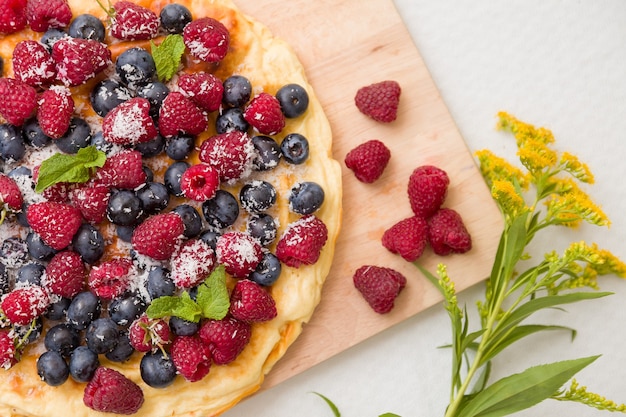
[[344, 45]]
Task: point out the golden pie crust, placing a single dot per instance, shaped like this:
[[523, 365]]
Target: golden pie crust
[[268, 63]]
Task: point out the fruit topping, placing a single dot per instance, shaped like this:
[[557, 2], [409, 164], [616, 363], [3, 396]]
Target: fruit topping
[[207, 39], [202, 88], [295, 148], [265, 115], [42, 15], [32, 63], [379, 286], [178, 114], [302, 242], [147, 334], [122, 170], [239, 252], [226, 338], [192, 263], [237, 91], [379, 100], [407, 238], [87, 26], [222, 210], [200, 182], [257, 196], [55, 111], [158, 236], [191, 357], [78, 60], [306, 197], [250, 302], [368, 160], [65, 274], [293, 99], [56, 223], [129, 123], [111, 278], [130, 21], [12, 16], [174, 17], [111, 392], [231, 154], [18, 101], [24, 304], [10, 194]]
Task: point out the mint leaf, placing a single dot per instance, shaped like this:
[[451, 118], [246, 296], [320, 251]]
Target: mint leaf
[[183, 307], [76, 168], [162, 307], [167, 56], [213, 296]]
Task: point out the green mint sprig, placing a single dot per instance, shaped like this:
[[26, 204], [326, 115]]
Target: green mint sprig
[[167, 56], [75, 168]]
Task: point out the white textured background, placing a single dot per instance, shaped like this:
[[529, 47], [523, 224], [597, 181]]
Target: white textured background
[[554, 63]]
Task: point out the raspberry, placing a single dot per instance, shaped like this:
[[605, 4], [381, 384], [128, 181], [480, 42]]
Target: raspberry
[[45, 14], [24, 304], [12, 16], [8, 353], [202, 88], [191, 357], [379, 286], [250, 302], [56, 107], [447, 234], [427, 189], [302, 242], [158, 236], [192, 263], [122, 170], [131, 22], [18, 100], [200, 182], [207, 39], [110, 391], [379, 100], [32, 63], [231, 153], [56, 223], [129, 123], [10, 193], [226, 338], [147, 334], [407, 238], [368, 160], [77, 60], [91, 199], [239, 252], [178, 114], [264, 114], [65, 274], [111, 278]]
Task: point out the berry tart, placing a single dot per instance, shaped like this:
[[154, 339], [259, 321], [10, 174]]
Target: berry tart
[[169, 206]]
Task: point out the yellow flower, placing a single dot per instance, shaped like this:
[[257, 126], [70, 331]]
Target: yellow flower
[[507, 196], [495, 168], [570, 205], [523, 131], [535, 155], [579, 170], [608, 263]]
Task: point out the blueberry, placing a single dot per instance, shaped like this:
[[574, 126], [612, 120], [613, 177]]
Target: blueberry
[[174, 18], [182, 327], [52, 368], [267, 271], [62, 339], [179, 147], [101, 335], [222, 210], [97, 140], [4, 279], [157, 369], [295, 148], [33, 134], [237, 91], [172, 177], [263, 228], [257, 196], [152, 147], [58, 309], [155, 92], [191, 220], [159, 283], [87, 26], [126, 309], [154, 197], [30, 273], [124, 208], [267, 153], [107, 95], [83, 364], [149, 174], [136, 67], [210, 238], [293, 100], [37, 248], [14, 252], [306, 197], [125, 232], [231, 119], [89, 243], [84, 308], [20, 171], [12, 146], [123, 350], [51, 36], [77, 136]]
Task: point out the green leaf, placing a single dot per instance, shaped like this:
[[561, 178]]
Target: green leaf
[[162, 307], [75, 168], [332, 406], [167, 306], [389, 415], [213, 297], [167, 56], [524, 390]]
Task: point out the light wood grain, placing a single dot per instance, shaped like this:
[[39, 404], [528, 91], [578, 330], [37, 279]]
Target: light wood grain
[[343, 46]]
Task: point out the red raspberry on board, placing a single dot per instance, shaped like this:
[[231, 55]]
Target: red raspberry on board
[[158, 236], [239, 252], [264, 114], [447, 233], [226, 338], [32, 63], [24, 304], [129, 123], [202, 88], [427, 189], [250, 302], [110, 391], [111, 278], [10, 193], [56, 223], [178, 114], [379, 100], [192, 263], [368, 160], [302, 242], [207, 39], [78, 60], [122, 170], [132, 22], [379, 286], [12, 16], [8, 353], [407, 238], [91, 199], [191, 357], [146, 334], [65, 274], [54, 114], [231, 154], [18, 100], [200, 182], [45, 14]]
